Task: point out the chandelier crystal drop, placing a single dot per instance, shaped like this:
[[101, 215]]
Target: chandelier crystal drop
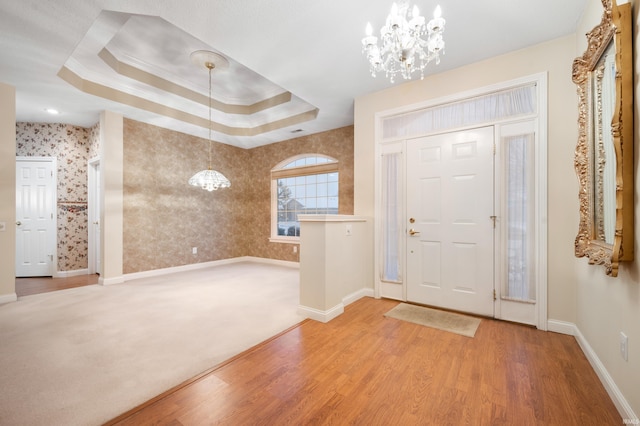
[[209, 179], [407, 43]]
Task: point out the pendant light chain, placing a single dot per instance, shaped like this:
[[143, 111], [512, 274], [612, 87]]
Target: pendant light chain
[[210, 66]]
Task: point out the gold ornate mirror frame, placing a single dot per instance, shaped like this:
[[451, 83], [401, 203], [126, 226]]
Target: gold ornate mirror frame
[[606, 202]]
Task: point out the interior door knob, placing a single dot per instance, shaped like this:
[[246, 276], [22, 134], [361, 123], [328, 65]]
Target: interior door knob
[[413, 232], [18, 223]]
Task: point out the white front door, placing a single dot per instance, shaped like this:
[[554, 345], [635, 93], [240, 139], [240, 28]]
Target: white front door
[[35, 217], [450, 221]]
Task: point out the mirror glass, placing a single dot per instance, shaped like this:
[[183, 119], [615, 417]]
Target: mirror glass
[[603, 90]]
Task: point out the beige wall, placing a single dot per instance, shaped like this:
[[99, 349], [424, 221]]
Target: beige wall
[[607, 306], [8, 192], [164, 217]]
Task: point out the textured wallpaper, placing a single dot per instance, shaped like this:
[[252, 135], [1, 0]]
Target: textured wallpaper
[[71, 146], [336, 143], [164, 217]]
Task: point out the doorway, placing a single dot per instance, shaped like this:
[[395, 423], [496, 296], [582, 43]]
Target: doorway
[[505, 203]]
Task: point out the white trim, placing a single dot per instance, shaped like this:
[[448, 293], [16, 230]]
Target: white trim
[[75, 273], [541, 190], [111, 281], [357, 295], [621, 403], [328, 315], [330, 218], [8, 298], [561, 327], [93, 194], [321, 316], [195, 266]]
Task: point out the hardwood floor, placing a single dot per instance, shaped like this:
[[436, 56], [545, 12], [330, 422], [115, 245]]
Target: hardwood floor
[[36, 285], [365, 369]]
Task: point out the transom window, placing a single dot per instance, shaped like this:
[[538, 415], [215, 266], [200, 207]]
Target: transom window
[[304, 184]]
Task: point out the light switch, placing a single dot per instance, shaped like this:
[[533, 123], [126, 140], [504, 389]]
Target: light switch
[[347, 230]]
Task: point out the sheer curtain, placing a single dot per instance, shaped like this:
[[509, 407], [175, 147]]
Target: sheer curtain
[[491, 107], [518, 217], [392, 218]]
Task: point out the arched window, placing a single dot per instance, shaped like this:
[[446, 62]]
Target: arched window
[[304, 184]]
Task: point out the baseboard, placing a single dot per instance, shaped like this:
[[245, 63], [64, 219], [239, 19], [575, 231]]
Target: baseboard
[[621, 403], [321, 316], [111, 281], [74, 273], [363, 292], [287, 263], [562, 327], [328, 315], [195, 266], [8, 298]]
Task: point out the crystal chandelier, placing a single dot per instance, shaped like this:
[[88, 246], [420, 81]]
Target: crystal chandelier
[[403, 49], [209, 179]]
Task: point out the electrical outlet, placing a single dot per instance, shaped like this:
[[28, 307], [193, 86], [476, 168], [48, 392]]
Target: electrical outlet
[[194, 250], [624, 346], [348, 229]]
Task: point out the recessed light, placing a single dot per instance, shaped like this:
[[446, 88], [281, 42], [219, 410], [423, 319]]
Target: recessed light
[[52, 111]]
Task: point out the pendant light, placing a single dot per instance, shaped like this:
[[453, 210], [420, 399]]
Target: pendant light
[[209, 179]]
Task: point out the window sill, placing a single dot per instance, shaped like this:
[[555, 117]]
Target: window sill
[[285, 240]]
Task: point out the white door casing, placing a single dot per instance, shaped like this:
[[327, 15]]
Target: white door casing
[[35, 216], [450, 244], [94, 234]]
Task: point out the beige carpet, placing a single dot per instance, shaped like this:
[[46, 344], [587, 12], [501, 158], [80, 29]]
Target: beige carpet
[[85, 355], [442, 320]]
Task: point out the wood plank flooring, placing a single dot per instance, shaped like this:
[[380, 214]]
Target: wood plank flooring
[[365, 369], [36, 285]]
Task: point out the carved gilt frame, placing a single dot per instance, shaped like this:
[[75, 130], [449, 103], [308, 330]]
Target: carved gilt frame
[[615, 27]]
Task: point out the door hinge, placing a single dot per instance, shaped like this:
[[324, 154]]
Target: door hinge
[[494, 295], [494, 149], [51, 215]]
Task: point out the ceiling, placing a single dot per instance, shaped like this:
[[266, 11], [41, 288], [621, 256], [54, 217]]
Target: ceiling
[[294, 67]]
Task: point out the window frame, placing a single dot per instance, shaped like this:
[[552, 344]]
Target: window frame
[[281, 171]]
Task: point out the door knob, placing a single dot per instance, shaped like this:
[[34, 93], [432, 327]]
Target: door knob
[[18, 223], [413, 232]]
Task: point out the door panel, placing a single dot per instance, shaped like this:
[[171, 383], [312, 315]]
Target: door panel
[[35, 223], [450, 244]]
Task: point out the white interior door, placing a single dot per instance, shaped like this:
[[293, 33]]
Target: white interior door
[[450, 221], [94, 216], [35, 217]]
